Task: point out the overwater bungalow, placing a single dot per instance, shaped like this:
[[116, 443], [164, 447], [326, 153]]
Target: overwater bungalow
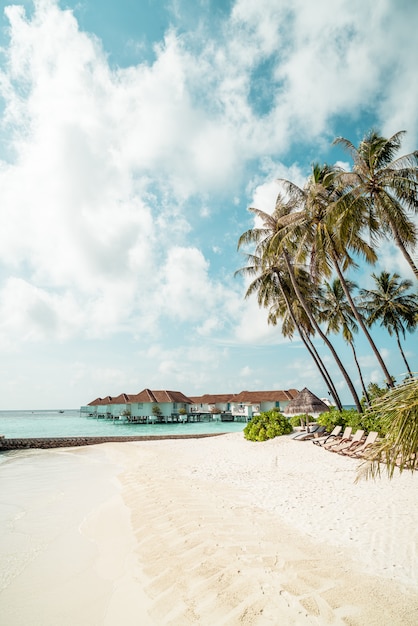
[[147, 406], [164, 406]]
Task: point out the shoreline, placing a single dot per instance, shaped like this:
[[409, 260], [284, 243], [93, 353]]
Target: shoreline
[[45, 443], [226, 531]]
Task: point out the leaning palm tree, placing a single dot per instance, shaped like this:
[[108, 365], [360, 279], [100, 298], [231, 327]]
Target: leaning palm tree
[[398, 414], [269, 245], [338, 316], [327, 229], [390, 187], [274, 291], [293, 317], [391, 305]]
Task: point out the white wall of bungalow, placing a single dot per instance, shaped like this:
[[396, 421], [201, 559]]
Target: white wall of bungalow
[[208, 403], [249, 403], [139, 405], [245, 404]]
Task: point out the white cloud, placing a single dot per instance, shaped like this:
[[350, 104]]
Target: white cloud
[[186, 289], [29, 314], [329, 59], [187, 367], [89, 143], [114, 182], [252, 328], [246, 372]]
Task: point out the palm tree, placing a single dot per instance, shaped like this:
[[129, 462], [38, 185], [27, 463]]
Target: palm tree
[[269, 245], [391, 305], [337, 314], [326, 228], [389, 187], [293, 316], [275, 292], [398, 413]]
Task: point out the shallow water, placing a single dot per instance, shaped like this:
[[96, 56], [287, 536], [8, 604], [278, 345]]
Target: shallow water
[[44, 500], [72, 424]]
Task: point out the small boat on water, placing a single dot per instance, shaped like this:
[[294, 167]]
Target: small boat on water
[[61, 411]]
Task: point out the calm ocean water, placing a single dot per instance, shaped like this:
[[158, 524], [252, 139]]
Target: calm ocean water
[[70, 424], [45, 498]]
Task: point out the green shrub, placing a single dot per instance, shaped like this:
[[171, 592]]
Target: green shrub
[[350, 417], [267, 425], [355, 420], [332, 418], [374, 392], [300, 420], [373, 420]]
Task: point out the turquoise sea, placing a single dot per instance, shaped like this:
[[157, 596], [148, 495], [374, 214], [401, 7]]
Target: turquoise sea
[[71, 424]]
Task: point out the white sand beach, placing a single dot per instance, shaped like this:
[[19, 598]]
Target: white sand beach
[[215, 531]]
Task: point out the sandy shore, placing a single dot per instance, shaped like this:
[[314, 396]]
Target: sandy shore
[[220, 531]]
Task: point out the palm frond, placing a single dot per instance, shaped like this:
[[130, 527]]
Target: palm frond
[[398, 410]]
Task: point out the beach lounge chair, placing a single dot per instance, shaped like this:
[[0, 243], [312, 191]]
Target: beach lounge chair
[[346, 436], [320, 441], [359, 450], [300, 433], [355, 441], [313, 432]]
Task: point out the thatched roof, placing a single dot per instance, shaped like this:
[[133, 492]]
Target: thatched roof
[[305, 402], [256, 397]]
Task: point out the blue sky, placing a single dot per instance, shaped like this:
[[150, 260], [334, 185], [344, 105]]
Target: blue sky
[[134, 136]]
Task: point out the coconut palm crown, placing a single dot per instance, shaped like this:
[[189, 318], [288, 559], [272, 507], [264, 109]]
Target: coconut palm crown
[[388, 185], [324, 228], [390, 304], [275, 241]]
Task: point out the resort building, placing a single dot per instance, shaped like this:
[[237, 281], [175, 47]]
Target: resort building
[[173, 406], [242, 405], [145, 406], [249, 403], [214, 404]]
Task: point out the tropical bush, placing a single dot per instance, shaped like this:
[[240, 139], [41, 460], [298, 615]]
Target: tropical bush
[[267, 425], [300, 420], [334, 417], [374, 391], [370, 420], [373, 420], [156, 410]]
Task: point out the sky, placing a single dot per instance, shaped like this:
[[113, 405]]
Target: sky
[[134, 136]]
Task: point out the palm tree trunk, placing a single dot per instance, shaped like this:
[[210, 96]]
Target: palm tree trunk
[[403, 354], [321, 333], [324, 372], [311, 349], [363, 386], [360, 320], [404, 251]]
